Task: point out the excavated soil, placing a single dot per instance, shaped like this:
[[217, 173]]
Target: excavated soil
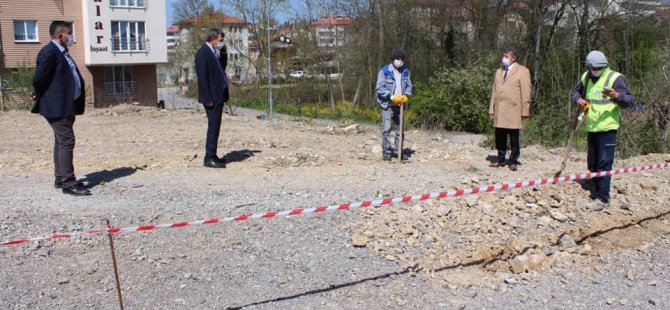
[[539, 247]]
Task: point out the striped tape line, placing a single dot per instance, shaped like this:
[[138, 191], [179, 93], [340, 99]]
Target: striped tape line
[[349, 206]]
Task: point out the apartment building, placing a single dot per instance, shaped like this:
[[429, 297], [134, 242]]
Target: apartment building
[[172, 34], [330, 31], [117, 43]]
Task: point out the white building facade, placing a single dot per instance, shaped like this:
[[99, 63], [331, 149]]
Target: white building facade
[[123, 42], [117, 43]]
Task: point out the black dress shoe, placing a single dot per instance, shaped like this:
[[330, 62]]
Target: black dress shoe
[[214, 163], [76, 191], [60, 184]]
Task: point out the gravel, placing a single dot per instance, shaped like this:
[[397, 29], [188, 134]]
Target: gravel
[[525, 248]]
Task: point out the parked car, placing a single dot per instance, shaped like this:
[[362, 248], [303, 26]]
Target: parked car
[[331, 76], [297, 74], [335, 76]]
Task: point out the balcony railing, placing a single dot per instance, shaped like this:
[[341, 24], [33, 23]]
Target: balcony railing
[[116, 89], [132, 45], [138, 4]]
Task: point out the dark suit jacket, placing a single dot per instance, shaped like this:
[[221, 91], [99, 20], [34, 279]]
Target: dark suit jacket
[[212, 80], [54, 86]]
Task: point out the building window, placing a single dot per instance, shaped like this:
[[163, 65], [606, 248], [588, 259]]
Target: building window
[[119, 81], [128, 36], [25, 31], [128, 3]]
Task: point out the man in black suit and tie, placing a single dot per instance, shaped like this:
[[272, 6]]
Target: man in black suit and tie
[[58, 92], [210, 65]]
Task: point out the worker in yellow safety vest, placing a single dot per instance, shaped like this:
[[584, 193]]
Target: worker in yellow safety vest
[[604, 91]]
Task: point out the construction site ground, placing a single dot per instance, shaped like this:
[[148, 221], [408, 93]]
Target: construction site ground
[[531, 248]]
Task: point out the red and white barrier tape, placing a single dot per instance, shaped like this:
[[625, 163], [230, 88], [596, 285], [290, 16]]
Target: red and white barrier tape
[[350, 206]]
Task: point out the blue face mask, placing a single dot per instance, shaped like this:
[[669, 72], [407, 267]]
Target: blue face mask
[[506, 62], [596, 73]]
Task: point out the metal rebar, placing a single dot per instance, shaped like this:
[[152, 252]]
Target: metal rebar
[[116, 268]]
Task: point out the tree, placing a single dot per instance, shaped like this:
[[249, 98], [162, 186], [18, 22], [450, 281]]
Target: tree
[[185, 9]]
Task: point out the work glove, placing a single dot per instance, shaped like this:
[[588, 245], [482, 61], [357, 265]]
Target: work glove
[[404, 99], [585, 109], [397, 100]]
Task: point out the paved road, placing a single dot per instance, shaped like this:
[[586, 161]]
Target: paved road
[[174, 101]]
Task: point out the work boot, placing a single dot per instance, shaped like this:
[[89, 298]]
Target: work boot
[[598, 205], [387, 156]]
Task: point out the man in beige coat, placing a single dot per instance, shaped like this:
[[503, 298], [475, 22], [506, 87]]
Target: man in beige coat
[[509, 107]]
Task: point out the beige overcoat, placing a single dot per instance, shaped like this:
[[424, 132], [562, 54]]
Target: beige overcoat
[[510, 98]]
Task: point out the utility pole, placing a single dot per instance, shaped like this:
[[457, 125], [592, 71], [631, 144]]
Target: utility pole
[[337, 51], [269, 64], [2, 99]]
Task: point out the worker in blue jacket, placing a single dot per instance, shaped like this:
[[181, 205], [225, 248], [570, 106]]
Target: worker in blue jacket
[[393, 90]]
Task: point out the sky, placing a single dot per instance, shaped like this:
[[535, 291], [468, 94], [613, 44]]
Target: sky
[[170, 11]]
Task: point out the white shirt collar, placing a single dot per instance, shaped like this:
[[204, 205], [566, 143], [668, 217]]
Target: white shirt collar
[[60, 47], [211, 47]]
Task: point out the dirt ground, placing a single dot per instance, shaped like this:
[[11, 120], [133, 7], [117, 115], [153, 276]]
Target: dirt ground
[[536, 247]]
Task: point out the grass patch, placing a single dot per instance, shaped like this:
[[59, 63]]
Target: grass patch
[[359, 114]]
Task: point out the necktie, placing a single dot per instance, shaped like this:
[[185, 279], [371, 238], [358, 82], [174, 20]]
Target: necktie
[[75, 75], [505, 73]]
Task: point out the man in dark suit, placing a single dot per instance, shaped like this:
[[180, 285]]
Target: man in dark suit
[[58, 92], [210, 65]]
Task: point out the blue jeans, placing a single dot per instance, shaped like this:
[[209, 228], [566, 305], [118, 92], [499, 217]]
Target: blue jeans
[[600, 158]]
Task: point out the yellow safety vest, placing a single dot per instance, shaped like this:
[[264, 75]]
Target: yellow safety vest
[[603, 114]]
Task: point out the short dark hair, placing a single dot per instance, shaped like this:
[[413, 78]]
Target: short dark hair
[[57, 26], [512, 51], [212, 34]]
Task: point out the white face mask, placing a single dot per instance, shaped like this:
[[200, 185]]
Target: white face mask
[[596, 73], [220, 45], [506, 62], [67, 40], [70, 40], [398, 63]]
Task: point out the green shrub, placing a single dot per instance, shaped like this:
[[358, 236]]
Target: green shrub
[[17, 88], [640, 138], [361, 114], [457, 99]]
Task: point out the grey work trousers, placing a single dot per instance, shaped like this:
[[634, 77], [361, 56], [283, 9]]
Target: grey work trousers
[[391, 116], [63, 150]]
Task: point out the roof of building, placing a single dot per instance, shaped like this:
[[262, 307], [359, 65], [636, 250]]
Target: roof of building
[[214, 16], [172, 29], [332, 21]]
